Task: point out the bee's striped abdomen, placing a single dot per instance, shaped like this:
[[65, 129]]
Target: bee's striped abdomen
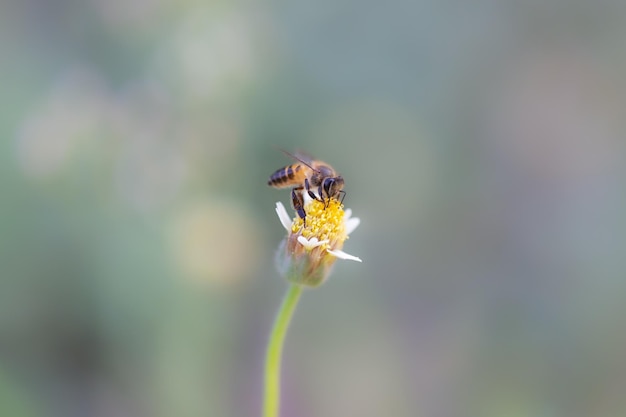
[[285, 177]]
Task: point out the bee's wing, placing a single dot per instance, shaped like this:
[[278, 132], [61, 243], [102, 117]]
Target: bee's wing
[[303, 156]]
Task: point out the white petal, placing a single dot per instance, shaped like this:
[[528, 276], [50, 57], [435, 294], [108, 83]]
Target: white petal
[[307, 198], [352, 224], [342, 255], [312, 243], [347, 214], [284, 218], [307, 242]]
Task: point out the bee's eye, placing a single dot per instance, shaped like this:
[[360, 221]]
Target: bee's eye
[[328, 184]]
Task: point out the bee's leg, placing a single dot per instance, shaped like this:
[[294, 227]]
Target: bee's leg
[[343, 195], [324, 192], [307, 185], [298, 203]]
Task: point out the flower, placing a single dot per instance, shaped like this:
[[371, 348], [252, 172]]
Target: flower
[[311, 248]]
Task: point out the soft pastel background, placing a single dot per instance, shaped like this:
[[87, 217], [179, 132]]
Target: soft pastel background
[[483, 146]]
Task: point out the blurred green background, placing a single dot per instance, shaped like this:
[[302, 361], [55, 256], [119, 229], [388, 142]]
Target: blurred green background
[[482, 145]]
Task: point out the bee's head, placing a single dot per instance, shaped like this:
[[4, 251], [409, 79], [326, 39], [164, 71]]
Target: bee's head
[[332, 186]]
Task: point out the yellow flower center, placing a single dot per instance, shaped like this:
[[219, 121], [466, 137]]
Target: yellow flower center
[[323, 221]]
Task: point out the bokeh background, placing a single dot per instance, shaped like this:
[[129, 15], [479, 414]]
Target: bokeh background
[[483, 148]]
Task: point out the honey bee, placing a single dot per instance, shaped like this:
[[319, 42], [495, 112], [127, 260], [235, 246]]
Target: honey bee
[[318, 179]]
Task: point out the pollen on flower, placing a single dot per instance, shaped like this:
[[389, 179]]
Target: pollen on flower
[[323, 221]]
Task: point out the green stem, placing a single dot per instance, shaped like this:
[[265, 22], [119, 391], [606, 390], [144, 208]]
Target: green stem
[[275, 349]]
